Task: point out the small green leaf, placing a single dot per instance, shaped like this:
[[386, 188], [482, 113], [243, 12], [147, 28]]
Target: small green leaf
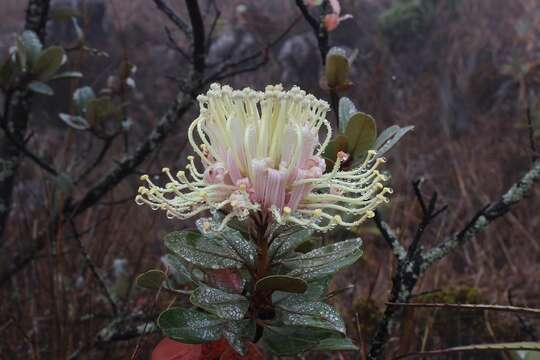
[[361, 134], [293, 340], [391, 136], [340, 143], [316, 288], [190, 326], [102, 108], [346, 111], [178, 270], [48, 62], [282, 283], [76, 122], [336, 344], [218, 302], [201, 251], [238, 332], [326, 260], [40, 88], [337, 68], [288, 240], [67, 75], [82, 96], [243, 248], [151, 279]]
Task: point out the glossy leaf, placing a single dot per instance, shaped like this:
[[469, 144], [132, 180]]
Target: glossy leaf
[[325, 260], [346, 111], [296, 311], [337, 68], [240, 246], [7, 70], [238, 333], [315, 290], [40, 88], [361, 133], [82, 96], [336, 344], [201, 251], [178, 270], [168, 349], [288, 240], [282, 283], [218, 302], [48, 63], [151, 279], [75, 121], [391, 136], [190, 326], [292, 340], [340, 143]]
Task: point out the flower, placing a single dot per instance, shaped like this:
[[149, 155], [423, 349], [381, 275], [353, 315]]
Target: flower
[[261, 155]]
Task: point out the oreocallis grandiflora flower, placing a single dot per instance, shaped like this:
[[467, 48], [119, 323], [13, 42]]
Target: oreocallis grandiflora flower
[[260, 154]]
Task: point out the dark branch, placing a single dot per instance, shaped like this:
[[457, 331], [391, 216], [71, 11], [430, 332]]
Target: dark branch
[[197, 24], [177, 20], [318, 29]]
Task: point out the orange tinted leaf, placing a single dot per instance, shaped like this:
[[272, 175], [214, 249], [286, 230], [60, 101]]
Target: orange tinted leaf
[[168, 349], [226, 278]]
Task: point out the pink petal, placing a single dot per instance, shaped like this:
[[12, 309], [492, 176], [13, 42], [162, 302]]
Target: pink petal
[[331, 22]]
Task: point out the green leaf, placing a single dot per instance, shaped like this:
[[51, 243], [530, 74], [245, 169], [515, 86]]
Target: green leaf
[[293, 340], [101, 108], [151, 279], [218, 302], [48, 63], [336, 344], [391, 136], [361, 134], [40, 88], [296, 311], [82, 96], [178, 270], [288, 240], [340, 143], [238, 332], [243, 248], [75, 121], [315, 290], [337, 68], [202, 251], [190, 326], [346, 111], [282, 283], [326, 260], [31, 45], [67, 75]]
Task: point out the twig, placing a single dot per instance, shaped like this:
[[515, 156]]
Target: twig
[[506, 308], [197, 25], [94, 270], [177, 20], [414, 263], [532, 142], [318, 29]]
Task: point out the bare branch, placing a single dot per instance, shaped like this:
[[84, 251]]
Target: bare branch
[[177, 20]]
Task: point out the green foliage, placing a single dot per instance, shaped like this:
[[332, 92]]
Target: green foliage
[[337, 68], [30, 67], [288, 302], [324, 261], [358, 134], [152, 279]]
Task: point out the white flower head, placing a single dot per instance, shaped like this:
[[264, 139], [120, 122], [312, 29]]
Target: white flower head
[[261, 155]]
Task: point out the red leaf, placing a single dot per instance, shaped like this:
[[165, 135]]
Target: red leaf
[[226, 278], [213, 349], [253, 354], [168, 349]]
